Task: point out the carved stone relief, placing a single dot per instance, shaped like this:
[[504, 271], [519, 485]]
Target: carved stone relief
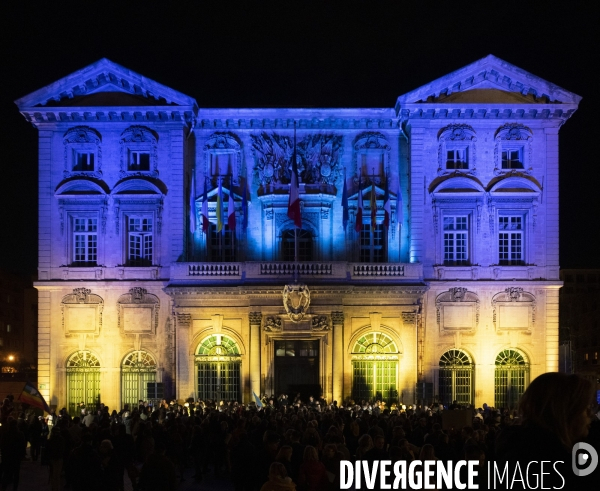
[[273, 323], [82, 312], [317, 158], [320, 323], [457, 309], [138, 312], [296, 300], [514, 309]]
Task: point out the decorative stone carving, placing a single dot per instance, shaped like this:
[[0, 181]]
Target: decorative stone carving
[[224, 143], [138, 138], [409, 318], [514, 309], [457, 309], [320, 323], [337, 318], [255, 318], [138, 312], [296, 300], [511, 133], [317, 158], [82, 138], [82, 312], [461, 134], [273, 323]]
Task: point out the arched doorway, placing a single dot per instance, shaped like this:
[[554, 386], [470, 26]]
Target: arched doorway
[[511, 378], [218, 366], [456, 377], [83, 381], [375, 368], [138, 368]]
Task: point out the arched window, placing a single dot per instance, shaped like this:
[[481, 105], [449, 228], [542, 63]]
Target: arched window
[[456, 377], [305, 245], [83, 381], [218, 367], [137, 370], [375, 368], [511, 378]]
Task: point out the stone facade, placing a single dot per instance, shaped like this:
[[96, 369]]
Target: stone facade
[[447, 288]]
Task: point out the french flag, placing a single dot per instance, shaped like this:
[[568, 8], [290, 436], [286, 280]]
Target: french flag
[[294, 202]]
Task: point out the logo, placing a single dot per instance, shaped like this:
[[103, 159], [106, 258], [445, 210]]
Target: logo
[[584, 459]]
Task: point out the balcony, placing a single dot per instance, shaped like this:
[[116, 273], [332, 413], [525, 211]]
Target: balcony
[[315, 271]]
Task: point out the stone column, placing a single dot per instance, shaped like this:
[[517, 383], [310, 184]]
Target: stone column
[[337, 319], [184, 373], [255, 319]]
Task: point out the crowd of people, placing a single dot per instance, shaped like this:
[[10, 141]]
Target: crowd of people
[[285, 445]]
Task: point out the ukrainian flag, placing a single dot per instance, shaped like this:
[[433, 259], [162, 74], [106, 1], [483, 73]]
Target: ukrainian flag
[[30, 395]]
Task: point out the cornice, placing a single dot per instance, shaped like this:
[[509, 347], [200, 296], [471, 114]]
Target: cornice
[[194, 291], [560, 112], [345, 123], [131, 114]]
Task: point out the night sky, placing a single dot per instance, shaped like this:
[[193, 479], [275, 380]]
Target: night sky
[[298, 54]]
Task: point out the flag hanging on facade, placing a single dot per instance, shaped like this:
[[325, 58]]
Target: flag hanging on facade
[[259, 404], [294, 201], [205, 220], [30, 395], [399, 209], [231, 210], [345, 211], [359, 208], [244, 209], [387, 205], [373, 206], [220, 225], [193, 206]]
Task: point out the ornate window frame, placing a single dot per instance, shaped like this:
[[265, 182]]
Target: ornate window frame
[[82, 138], [513, 136], [371, 142], [138, 138], [224, 143], [457, 306], [514, 306], [457, 137]]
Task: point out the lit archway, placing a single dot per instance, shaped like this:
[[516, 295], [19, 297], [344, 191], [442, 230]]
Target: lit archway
[[218, 367], [83, 381], [375, 368], [456, 377], [511, 378], [137, 370]]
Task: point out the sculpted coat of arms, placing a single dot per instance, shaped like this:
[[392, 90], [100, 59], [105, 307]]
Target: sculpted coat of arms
[[296, 300]]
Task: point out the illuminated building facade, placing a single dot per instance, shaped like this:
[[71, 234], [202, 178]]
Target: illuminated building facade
[[446, 288]]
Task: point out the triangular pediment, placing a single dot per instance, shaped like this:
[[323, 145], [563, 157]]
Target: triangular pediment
[[366, 193], [489, 80], [105, 83], [213, 193]]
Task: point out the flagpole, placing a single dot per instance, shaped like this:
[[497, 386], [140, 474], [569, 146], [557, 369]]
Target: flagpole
[[295, 226]]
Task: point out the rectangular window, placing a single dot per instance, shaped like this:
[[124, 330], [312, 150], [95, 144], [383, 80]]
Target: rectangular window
[[456, 158], [512, 158], [456, 240], [139, 160], [222, 247], [83, 161], [371, 243], [85, 241], [511, 241], [140, 240]]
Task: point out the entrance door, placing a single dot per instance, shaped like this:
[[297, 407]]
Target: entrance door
[[297, 368]]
